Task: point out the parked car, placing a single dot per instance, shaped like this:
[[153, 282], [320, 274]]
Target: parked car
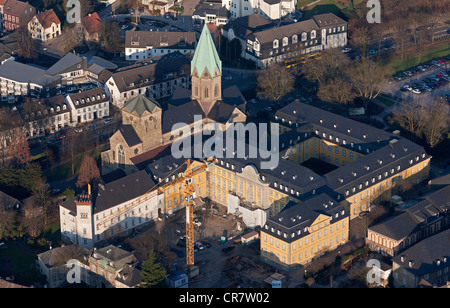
[[199, 245], [228, 249]]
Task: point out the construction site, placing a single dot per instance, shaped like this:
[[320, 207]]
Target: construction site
[[221, 260]]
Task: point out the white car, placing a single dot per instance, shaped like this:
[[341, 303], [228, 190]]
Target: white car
[[416, 91]]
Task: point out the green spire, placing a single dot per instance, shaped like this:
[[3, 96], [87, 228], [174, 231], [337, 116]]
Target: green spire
[[206, 54]]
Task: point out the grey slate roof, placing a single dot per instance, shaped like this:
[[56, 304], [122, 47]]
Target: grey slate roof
[[130, 135], [289, 225], [116, 192], [25, 73], [118, 256], [151, 72], [246, 25], [424, 254], [412, 218], [66, 62], [122, 190]]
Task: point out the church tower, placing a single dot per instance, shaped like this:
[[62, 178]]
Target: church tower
[[206, 72]]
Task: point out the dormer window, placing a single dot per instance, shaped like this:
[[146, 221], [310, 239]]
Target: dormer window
[[275, 44], [313, 34], [294, 39], [285, 41], [304, 36]]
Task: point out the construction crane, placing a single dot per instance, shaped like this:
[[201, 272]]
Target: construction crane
[[189, 190]]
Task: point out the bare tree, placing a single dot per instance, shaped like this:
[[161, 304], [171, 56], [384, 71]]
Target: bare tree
[[409, 116], [367, 78], [332, 63], [336, 90], [436, 118], [41, 193], [32, 216], [275, 81], [27, 48]]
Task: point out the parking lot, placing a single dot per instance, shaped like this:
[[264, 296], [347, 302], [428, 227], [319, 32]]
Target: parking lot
[[428, 80]]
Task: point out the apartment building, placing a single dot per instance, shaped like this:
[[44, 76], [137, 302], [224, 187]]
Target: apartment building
[[110, 209], [268, 45], [156, 79], [17, 14], [141, 45], [45, 116], [87, 106], [410, 225], [45, 26], [18, 79]]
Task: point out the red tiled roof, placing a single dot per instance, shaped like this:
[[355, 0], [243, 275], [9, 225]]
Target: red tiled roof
[[92, 23], [48, 17]]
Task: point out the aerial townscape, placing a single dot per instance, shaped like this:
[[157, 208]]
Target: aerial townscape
[[224, 144]]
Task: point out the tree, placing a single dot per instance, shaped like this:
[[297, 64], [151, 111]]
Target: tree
[[367, 78], [409, 116], [436, 120], [7, 220], [19, 149], [332, 63], [88, 171], [275, 82], [153, 273], [27, 48], [336, 90], [111, 38], [32, 217], [41, 194]]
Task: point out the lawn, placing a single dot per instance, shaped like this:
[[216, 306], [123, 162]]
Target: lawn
[[327, 6], [64, 170], [18, 260], [411, 59]]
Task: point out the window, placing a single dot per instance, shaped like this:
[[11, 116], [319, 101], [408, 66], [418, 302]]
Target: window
[[285, 41]]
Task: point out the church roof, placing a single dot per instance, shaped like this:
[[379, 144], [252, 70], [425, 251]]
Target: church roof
[[140, 104], [206, 54]]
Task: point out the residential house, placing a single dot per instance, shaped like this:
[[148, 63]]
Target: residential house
[[56, 263], [114, 268], [140, 45], [48, 115], [270, 9], [92, 26], [45, 26], [211, 12]]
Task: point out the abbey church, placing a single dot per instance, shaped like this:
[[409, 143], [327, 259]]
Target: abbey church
[[147, 128]]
